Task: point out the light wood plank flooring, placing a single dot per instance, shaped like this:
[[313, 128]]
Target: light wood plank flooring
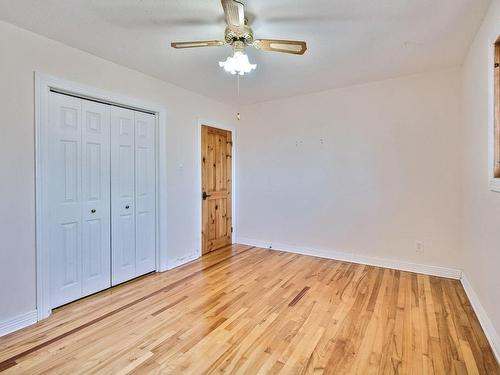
[[255, 311]]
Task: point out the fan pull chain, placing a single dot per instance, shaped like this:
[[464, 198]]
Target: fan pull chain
[[238, 86]]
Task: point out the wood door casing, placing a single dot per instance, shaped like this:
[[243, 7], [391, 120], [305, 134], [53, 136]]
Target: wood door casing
[[216, 158], [496, 171]]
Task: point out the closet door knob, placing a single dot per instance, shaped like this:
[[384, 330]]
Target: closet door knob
[[92, 211], [127, 207]]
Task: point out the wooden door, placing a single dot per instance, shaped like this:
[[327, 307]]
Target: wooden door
[[216, 154]]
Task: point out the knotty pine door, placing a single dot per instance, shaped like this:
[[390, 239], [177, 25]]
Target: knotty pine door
[[216, 149]]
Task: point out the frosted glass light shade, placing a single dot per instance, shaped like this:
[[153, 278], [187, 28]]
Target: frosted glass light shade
[[237, 64]]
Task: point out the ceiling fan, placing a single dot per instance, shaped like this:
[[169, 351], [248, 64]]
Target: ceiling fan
[[239, 35]]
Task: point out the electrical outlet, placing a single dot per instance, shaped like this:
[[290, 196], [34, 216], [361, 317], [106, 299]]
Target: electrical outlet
[[419, 247]]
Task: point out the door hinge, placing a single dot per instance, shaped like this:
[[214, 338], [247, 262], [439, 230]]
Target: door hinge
[[231, 229]]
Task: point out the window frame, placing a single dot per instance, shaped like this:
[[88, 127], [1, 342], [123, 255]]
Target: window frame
[[494, 116]]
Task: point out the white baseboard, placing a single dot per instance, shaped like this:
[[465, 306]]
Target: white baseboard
[[18, 322], [450, 273], [183, 260], [486, 324]]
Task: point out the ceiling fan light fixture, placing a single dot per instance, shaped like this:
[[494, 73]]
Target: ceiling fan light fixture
[[237, 64]]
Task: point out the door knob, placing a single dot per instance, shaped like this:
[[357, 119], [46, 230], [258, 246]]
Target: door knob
[[92, 211], [127, 207]]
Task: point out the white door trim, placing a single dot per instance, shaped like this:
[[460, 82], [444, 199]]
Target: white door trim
[[232, 129], [43, 84]]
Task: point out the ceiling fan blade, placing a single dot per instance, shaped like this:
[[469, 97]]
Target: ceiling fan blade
[[235, 12], [202, 43], [287, 46]]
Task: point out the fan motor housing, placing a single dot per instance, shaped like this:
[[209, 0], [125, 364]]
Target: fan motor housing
[[243, 34]]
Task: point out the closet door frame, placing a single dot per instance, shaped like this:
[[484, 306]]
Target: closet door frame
[[44, 84]]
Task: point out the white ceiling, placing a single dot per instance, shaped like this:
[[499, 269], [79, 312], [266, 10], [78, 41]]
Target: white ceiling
[[349, 41]]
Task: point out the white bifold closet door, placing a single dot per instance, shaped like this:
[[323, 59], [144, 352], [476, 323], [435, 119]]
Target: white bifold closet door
[[79, 197], [133, 181], [145, 193], [101, 196]]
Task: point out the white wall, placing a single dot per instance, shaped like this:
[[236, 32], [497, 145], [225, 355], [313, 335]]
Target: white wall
[[481, 207], [386, 174], [22, 53]]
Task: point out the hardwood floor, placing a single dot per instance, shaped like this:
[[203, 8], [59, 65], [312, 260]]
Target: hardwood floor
[[256, 311]]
